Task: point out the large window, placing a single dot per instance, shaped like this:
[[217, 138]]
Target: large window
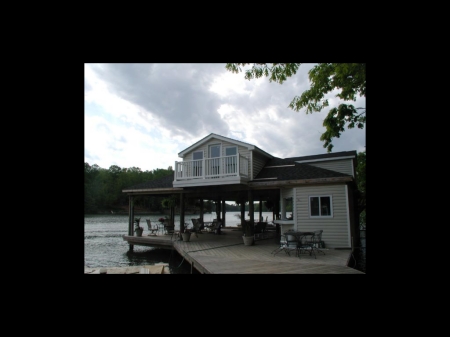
[[230, 160], [198, 155], [320, 206], [214, 164]]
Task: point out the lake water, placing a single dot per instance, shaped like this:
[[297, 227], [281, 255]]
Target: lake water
[[104, 246]]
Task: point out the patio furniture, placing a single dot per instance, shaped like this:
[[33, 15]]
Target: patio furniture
[[170, 229], [288, 243], [260, 229], [214, 227], [196, 227], [152, 229], [305, 243], [316, 241]]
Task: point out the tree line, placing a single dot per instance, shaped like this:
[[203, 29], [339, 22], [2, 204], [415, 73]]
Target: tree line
[[103, 190]]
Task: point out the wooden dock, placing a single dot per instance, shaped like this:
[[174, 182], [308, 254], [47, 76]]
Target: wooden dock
[[226, 254]]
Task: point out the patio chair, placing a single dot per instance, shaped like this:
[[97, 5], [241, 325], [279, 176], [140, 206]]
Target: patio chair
[[317, 242], [260, 229], [152, 229], [196, 227], [202, 225], [215, 227], [170, 229], [288, 243], [305, 243]]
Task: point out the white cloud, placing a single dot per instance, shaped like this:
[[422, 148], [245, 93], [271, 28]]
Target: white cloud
[[143, 115]]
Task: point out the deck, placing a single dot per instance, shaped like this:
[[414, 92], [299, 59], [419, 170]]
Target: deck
[[226, 254]]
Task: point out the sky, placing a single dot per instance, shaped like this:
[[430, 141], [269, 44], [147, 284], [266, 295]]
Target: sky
[[143, 114]]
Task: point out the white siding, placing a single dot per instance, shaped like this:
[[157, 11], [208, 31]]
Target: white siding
[[335, 229], [204, 147], [343, 165]]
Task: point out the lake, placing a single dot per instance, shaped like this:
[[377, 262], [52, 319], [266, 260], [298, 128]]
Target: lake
[[104, 246]]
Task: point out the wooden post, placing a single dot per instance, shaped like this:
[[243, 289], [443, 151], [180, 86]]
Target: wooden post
[[181, 212], [130, 219], [201, 209], [260, 209], [243, 214], [251, 207], [217, 203], [223, 213]]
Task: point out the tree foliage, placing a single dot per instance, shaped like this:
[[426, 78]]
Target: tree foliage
[[361, 184], [103, 188], [348, 78]]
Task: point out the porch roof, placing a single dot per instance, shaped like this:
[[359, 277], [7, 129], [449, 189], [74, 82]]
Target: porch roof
[[296, 168], [295, 171]]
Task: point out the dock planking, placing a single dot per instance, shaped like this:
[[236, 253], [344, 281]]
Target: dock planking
[[226, 254]]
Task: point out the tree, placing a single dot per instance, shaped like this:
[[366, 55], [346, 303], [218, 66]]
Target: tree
[[361, 184], [349, 78]]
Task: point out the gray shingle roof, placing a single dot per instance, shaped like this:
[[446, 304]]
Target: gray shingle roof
[[300, 170], [292, 160], [297, 172]]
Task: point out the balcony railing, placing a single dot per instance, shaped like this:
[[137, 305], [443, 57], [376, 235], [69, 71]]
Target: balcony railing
[[212, 168]]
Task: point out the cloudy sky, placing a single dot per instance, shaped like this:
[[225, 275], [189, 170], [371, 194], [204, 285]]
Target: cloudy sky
[[142, 115]]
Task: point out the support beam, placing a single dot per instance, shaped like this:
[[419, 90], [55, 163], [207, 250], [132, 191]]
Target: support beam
[[223, 213], [251, 208], [201, 209], [181, 212], [260, 209], [130, 219]]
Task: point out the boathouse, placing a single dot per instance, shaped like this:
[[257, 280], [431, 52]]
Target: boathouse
[[320, 188]]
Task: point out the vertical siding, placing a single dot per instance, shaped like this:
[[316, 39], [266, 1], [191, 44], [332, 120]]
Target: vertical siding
[[344, 166], [335, 229]]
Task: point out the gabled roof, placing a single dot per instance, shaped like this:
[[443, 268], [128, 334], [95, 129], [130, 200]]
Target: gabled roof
[[249, 146], [296, 168]]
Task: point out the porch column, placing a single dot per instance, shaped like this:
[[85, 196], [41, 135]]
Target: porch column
[[218, 209], [283, 208], [243, 214], [201, 209], [251, 208], [260, 209], [223, 213], [182, 212], [130, 219]]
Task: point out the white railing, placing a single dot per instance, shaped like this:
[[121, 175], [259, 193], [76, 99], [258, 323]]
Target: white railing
[[212, 168]]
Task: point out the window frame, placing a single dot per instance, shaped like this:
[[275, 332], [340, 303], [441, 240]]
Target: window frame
[[198, 165], [320, 206]]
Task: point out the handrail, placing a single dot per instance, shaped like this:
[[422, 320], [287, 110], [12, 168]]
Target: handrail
[[212, 168]]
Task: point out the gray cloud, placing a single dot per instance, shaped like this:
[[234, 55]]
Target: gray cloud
[[178, 96]]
